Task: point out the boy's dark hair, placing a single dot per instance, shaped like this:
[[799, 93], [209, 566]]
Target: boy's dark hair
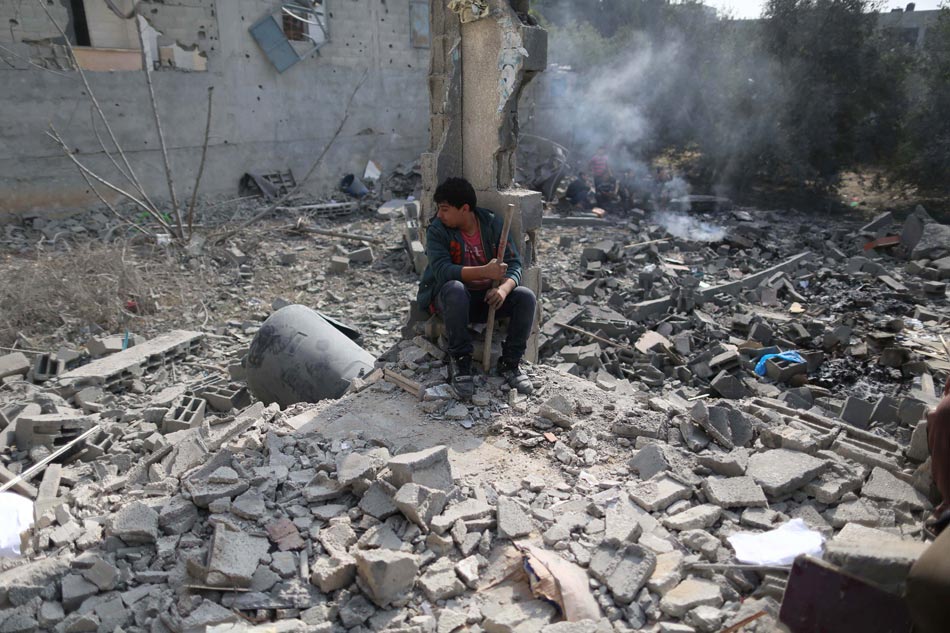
[[456, 192]]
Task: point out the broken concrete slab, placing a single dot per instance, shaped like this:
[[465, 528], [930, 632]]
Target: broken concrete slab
[[734, 492], [233, 557], [689, 594], [624, 570], [781, 471], [875, 555], [658, 493], [884, 486], [428, 468]]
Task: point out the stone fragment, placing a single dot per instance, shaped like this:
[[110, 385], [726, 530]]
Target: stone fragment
[[177, 516], [624, 570], [658, 493], [440, 581], [419, 504], [102, 574], [467, 570], [385, 574], [74, 590], [734, 492], [781, 471], [701, 516], [668, 572], [15, 364], [338, 537], [513, 522], [884, 486], [704, 619], [731, 464], [378, 501], [877, 556], [688, 595], [332, 573], [249, 505], [207, 615], [858, 512], [285, 535], [428, 468], [622, 522], [135, 523], [649, 461], [467, 510], [233, 557], [558, 410]]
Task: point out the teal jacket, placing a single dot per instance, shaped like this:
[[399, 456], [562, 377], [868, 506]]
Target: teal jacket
[[445, 250]]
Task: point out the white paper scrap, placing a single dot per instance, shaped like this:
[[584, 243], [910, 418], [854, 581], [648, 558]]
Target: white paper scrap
[[779, 546]]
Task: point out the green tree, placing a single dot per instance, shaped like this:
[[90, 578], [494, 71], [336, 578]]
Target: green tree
[[924, 156]]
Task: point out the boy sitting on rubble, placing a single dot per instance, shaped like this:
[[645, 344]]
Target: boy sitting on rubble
[[458, 284]]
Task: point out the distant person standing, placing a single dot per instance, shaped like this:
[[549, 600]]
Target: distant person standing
[[599, 166]]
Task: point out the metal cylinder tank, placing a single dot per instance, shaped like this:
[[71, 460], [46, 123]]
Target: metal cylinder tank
[[297, 356]]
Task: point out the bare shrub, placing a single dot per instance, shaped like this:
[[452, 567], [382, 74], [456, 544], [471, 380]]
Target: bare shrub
[[92, 286]]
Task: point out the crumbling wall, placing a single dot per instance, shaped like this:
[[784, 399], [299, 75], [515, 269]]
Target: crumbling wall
[[262, 120]]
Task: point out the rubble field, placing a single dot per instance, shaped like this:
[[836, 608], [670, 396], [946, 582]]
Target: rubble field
[[700, 377]]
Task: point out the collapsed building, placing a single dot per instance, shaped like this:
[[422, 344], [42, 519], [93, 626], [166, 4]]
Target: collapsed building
[[727, 431]]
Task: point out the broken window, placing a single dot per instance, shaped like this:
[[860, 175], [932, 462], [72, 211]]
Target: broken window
[[292, 33]]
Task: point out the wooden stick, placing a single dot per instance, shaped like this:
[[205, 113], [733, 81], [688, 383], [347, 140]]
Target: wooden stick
[[38, 466], [401, 381], [595, 337], [741, 623], [502, 245], [946, 347]]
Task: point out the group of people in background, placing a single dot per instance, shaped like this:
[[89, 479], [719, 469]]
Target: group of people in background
[[598, 186]]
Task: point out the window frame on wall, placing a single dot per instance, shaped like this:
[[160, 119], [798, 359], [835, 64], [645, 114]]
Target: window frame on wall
[[282, 48]]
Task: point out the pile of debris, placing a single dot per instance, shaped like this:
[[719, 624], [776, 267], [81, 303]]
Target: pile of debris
[[720, 395]]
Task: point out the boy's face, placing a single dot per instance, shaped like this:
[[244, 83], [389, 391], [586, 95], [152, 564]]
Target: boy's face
[[452, 217]]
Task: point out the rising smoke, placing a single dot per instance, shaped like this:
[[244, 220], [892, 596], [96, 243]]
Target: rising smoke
[[688, 86]]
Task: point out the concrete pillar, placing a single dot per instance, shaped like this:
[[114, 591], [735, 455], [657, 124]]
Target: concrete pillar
[[478, 69]]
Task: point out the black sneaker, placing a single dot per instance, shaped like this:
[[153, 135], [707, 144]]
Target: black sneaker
[[514, 376], [461, 376]]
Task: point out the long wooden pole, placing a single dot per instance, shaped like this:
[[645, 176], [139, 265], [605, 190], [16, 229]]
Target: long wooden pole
[[502, 245]]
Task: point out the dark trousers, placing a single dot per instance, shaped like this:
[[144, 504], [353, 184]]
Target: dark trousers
[[460, 306]]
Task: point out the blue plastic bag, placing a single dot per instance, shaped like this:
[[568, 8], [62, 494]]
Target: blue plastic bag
[[794, 357]]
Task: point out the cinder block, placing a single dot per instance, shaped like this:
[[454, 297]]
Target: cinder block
[[188, 413]]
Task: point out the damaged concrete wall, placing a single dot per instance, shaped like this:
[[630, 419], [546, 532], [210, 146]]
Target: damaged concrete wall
[[263, 120]]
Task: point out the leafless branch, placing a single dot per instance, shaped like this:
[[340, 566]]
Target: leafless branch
[[161, 134], [95, 102], [88, 172], [201, 166]]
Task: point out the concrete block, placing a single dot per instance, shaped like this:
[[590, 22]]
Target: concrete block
[[15, 364], [428, 468], [332, 573], [857, 412], [339, 265], [386, 575], [919, 450], [233, 557], [187, 413], [361, 255]]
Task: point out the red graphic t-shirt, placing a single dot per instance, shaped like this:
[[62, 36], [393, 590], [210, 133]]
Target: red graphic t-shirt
[[475, 256]]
